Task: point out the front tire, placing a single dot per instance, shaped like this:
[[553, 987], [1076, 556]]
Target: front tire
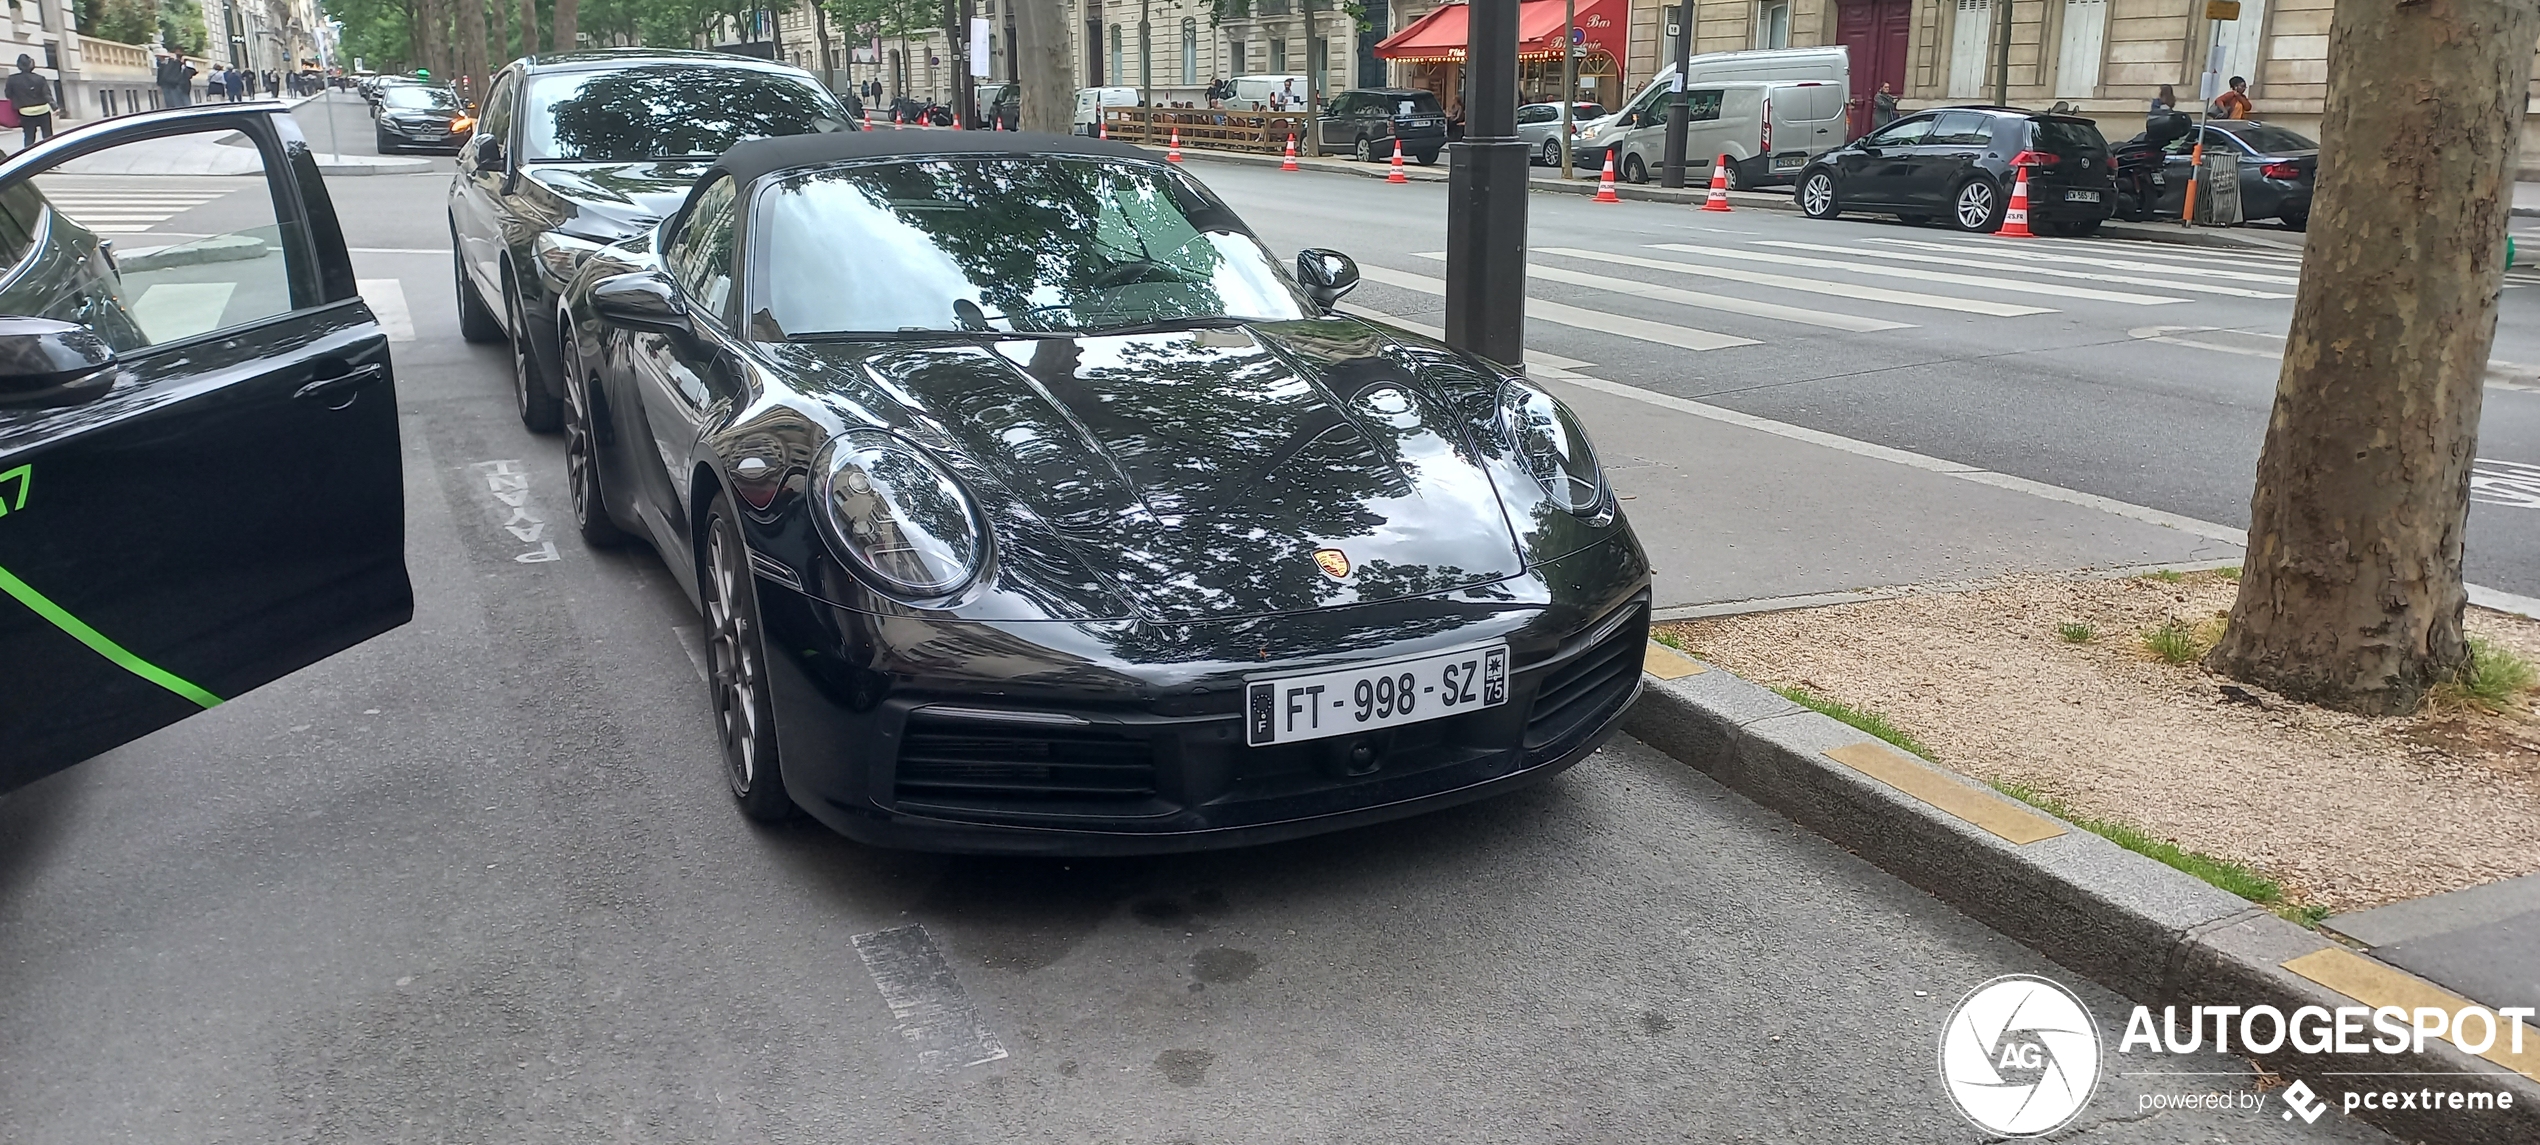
[[2300, 222], [476, 323], [1551, 153], [1816, 196], [742, 719], [1736, 181], [1976, 207], [386, 146], [540, 410], [1635, 171], [1364, 150], [582, 455]]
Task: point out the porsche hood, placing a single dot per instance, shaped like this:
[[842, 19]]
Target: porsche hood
[[1224, 473]]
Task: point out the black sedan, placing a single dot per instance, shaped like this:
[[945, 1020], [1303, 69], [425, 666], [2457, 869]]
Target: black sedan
[[583, 149], [1033, 507], [2276, 169], [413, 117]]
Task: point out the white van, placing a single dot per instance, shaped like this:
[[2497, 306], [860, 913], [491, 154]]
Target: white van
[[1088, 99], [1828, 67], [1768, 130], [1252, 93]]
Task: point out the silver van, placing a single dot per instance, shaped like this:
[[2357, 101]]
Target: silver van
[[1768, 130]]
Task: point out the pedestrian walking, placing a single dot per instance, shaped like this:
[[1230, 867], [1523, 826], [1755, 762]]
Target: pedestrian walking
[[2233, 103], [32, 97], [251, 84], [175, 78], [273, 84], [1883, 107]]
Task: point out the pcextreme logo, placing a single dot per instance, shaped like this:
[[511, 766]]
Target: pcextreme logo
[[2020, 1055]]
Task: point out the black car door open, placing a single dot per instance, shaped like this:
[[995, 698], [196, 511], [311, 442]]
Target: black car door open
[[199, 471]]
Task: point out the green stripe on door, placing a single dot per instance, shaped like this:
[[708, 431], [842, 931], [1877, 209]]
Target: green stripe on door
[[80, 631]]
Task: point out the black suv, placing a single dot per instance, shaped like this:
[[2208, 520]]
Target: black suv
[[1365, 122], [1957, 163], [580, 150]]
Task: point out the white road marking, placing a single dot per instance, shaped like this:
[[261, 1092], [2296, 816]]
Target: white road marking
[[2509, 376], [1809, 285], [1535, 359], [387, 299], [928, 1007], [171, 310], [2108, 263], [1684, 337], [1981, 282], [2478, 595], [1721, 302], [2051, 272]]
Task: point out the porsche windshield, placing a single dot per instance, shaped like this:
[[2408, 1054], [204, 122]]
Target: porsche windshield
[[1027, 245]]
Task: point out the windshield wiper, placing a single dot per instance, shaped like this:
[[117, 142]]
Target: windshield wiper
[[1166, 325], [914, 334]]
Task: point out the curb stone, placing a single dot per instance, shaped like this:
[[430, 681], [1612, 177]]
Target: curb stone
[[2156, 935]]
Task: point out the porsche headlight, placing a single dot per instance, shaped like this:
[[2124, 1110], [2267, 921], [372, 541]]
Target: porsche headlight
[[892, 513], [562, 254], [1547, 438]]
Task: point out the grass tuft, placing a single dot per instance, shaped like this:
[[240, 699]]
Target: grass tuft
[[2174, 642], [2165, 576], [1669, 639], [1871, 722], [2230, 876], [2074, 633], [2495, 680], [2231, 574]]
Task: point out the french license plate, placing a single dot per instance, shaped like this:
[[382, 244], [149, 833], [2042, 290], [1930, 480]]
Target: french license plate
[[1363, 697], [2081, 196], [1787, 162]]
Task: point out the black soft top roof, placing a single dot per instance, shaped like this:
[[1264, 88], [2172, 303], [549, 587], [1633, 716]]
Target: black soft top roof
[[748, 161]]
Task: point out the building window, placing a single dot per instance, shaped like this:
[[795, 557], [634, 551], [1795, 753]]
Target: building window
[[1117, 71], [1772, 24], [1279, 56], [1190, 51]]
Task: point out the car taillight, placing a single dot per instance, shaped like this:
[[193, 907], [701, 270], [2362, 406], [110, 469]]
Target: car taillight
[[2112, 162], [1767, 147], [2033, 159], [2281, 170]]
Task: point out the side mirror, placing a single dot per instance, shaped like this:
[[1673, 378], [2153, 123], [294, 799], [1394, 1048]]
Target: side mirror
[[1326, 275], [489, 155], [640, 301], [1870, 151], [44, 362]]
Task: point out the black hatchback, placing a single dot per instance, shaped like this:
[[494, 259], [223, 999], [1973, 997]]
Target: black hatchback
[[1958, 164], [1365, 122]]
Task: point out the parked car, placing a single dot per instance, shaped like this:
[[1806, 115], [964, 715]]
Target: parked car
[[372, 88], [1079, 525], [1539, 124], [1365, 122], [413, 117], [2277, 169], [1091, 100], [1956, 164], [1000, 107], [582, 149], [1253, 93], [1768, 130], [269, 398]]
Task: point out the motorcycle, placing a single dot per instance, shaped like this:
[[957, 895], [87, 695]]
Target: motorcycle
[[2141, 160], [910, 110]]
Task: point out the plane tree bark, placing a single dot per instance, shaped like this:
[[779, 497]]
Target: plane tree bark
[[1042, 66], [2351, 595], [561, 25]]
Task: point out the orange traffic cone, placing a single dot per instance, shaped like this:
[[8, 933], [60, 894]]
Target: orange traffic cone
[[1605, 182], [1102, 131], [2015, 220], [895, 118], [868, 119], [1173, 153], [1397, 176], [1289, 163], [1718, 199]]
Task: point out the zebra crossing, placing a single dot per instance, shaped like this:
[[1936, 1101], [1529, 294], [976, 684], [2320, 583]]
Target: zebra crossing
[[1878, 282], [132, 205]]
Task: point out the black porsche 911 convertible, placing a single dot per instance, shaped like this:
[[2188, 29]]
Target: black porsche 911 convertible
[[1032, 507]]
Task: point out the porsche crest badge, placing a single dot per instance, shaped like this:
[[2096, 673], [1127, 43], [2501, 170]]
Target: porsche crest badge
[[1333, 562]]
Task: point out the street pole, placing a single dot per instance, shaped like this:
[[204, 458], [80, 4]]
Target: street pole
[[1486, 197], [1569, 79], [2002, 54], [1313, 81], [1146, 73], [1679, 116], [325, 89]]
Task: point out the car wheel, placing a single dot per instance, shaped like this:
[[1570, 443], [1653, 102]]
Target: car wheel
[[1364, 150], [1425, 158], [1634, 171], [1736, 181], [540, 410], [386, 147], [476, 323], [2300, 222], [1551, 152], [1816, 196], [1976, 206], [737, 659], [582, 453]]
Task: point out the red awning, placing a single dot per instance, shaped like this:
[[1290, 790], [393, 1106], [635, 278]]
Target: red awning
[[1440, 35]]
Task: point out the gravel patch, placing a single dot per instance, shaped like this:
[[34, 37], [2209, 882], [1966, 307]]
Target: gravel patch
[[2345, 811]]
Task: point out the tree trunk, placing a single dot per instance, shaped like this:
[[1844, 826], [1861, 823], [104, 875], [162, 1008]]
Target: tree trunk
[[472, 49], [528, 27], [820, 38], [1048, 83], [560, 34], [2351, 593]]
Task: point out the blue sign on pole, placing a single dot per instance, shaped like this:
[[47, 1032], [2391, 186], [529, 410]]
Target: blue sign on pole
[[1578, 35]]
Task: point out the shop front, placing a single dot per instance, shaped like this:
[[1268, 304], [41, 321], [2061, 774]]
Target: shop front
[[1431, 50]]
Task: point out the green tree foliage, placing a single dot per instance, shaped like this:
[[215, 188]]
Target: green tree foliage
[[123, 21], [181, 26]]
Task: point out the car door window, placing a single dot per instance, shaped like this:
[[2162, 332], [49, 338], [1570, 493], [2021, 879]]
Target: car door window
[[1702, 105], [1961, 129], [145, 260], [497, 122], [701, 257], [1902, 134]]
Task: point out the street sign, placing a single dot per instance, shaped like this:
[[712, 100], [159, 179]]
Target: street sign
[[2222, 9], [1578, 35]]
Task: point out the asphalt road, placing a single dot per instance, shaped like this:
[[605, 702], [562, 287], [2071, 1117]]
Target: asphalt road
[[479, 880]]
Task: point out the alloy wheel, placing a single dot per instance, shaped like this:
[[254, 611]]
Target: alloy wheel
[[581, 455], [1551, 152], [734, 659], [521, 381], [1974, 208], [1816, 196], [1366, 151]]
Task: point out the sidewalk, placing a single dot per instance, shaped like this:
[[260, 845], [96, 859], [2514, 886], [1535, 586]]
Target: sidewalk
[[2527, 200], [1548, 180]]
